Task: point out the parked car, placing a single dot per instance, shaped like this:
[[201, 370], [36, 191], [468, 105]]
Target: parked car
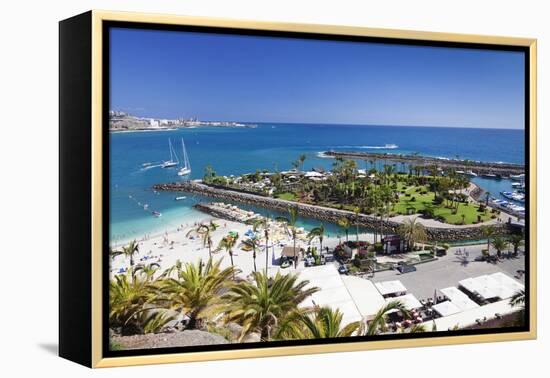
[[404, 268], [342, 269]]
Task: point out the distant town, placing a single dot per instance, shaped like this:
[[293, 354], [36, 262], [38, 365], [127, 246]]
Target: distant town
[[122, 121]]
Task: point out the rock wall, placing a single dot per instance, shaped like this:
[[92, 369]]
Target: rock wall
[[479, 167], [325, 214]]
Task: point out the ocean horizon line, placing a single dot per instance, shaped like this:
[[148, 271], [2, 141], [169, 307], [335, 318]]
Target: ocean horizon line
[[346, 124], [377, 125]]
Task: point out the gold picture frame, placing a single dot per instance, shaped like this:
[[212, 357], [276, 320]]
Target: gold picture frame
[[94, 300]]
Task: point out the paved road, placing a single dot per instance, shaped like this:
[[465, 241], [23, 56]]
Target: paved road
[[450, 269]]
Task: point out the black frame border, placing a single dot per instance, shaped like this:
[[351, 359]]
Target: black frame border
[[107, 25]]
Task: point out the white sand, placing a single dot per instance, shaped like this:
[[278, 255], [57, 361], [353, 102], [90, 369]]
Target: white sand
[[175, 245]]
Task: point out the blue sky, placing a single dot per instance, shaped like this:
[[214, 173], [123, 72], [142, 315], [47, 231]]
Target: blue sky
[[168, 74]]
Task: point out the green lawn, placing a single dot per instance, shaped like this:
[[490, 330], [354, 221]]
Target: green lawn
[[425, 201], [287, 196]]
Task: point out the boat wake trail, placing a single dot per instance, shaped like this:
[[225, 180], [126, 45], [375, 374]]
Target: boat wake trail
[[389, 146], [384, 147], [147, 167]]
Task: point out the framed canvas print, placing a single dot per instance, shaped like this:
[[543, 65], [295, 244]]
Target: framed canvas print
[[234, 189]]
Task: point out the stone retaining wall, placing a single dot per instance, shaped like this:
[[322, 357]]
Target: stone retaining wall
[[325, 214]]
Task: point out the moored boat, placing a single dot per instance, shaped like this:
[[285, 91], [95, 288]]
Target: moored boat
[[170, 163], [519, 177], [186, 169], [515, 196]]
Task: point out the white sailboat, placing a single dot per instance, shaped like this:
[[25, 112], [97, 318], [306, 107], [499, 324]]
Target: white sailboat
[[186, 169], [171, 162]]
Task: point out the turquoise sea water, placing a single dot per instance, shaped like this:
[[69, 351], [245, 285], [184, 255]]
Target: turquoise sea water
[[272, 147]]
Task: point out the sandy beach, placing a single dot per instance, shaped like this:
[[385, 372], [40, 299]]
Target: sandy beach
[[176, 245]]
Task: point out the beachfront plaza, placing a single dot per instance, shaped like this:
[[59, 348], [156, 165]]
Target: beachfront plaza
[[455, 289]]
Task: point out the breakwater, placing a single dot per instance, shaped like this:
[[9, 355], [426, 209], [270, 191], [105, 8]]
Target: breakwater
[[478, 167], [451, 233]]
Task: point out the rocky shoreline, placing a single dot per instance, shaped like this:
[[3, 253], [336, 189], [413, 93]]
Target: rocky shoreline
[[323, 213]]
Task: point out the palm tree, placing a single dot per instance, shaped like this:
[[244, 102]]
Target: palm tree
[[317, 232], [196, 289], [378, 323], [227, 243], [128, 251], [264, 222], [488, 232], [302, 159], [322, 322], [149, 270], [499, 244], [487, 195], [132, 299], [205, 232], [517, 241], [262, 305], [291, 223], [413, 232], [345, 224], [518, 299], [252, 245]]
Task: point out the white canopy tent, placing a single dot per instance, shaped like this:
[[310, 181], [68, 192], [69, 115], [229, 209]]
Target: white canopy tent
[[365, 295], [446, 308], [507, 286], [409, 300], [333, 293], [482, 285], [458, 298], [469, 317], [315, 174], [391, 288]]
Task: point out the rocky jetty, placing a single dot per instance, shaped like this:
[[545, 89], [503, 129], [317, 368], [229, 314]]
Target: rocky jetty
[[323, 213], [479, 167], [227, 211]]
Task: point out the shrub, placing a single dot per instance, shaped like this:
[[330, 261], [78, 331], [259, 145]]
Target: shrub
[[438, 200], [378, 247], [427, 213]]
